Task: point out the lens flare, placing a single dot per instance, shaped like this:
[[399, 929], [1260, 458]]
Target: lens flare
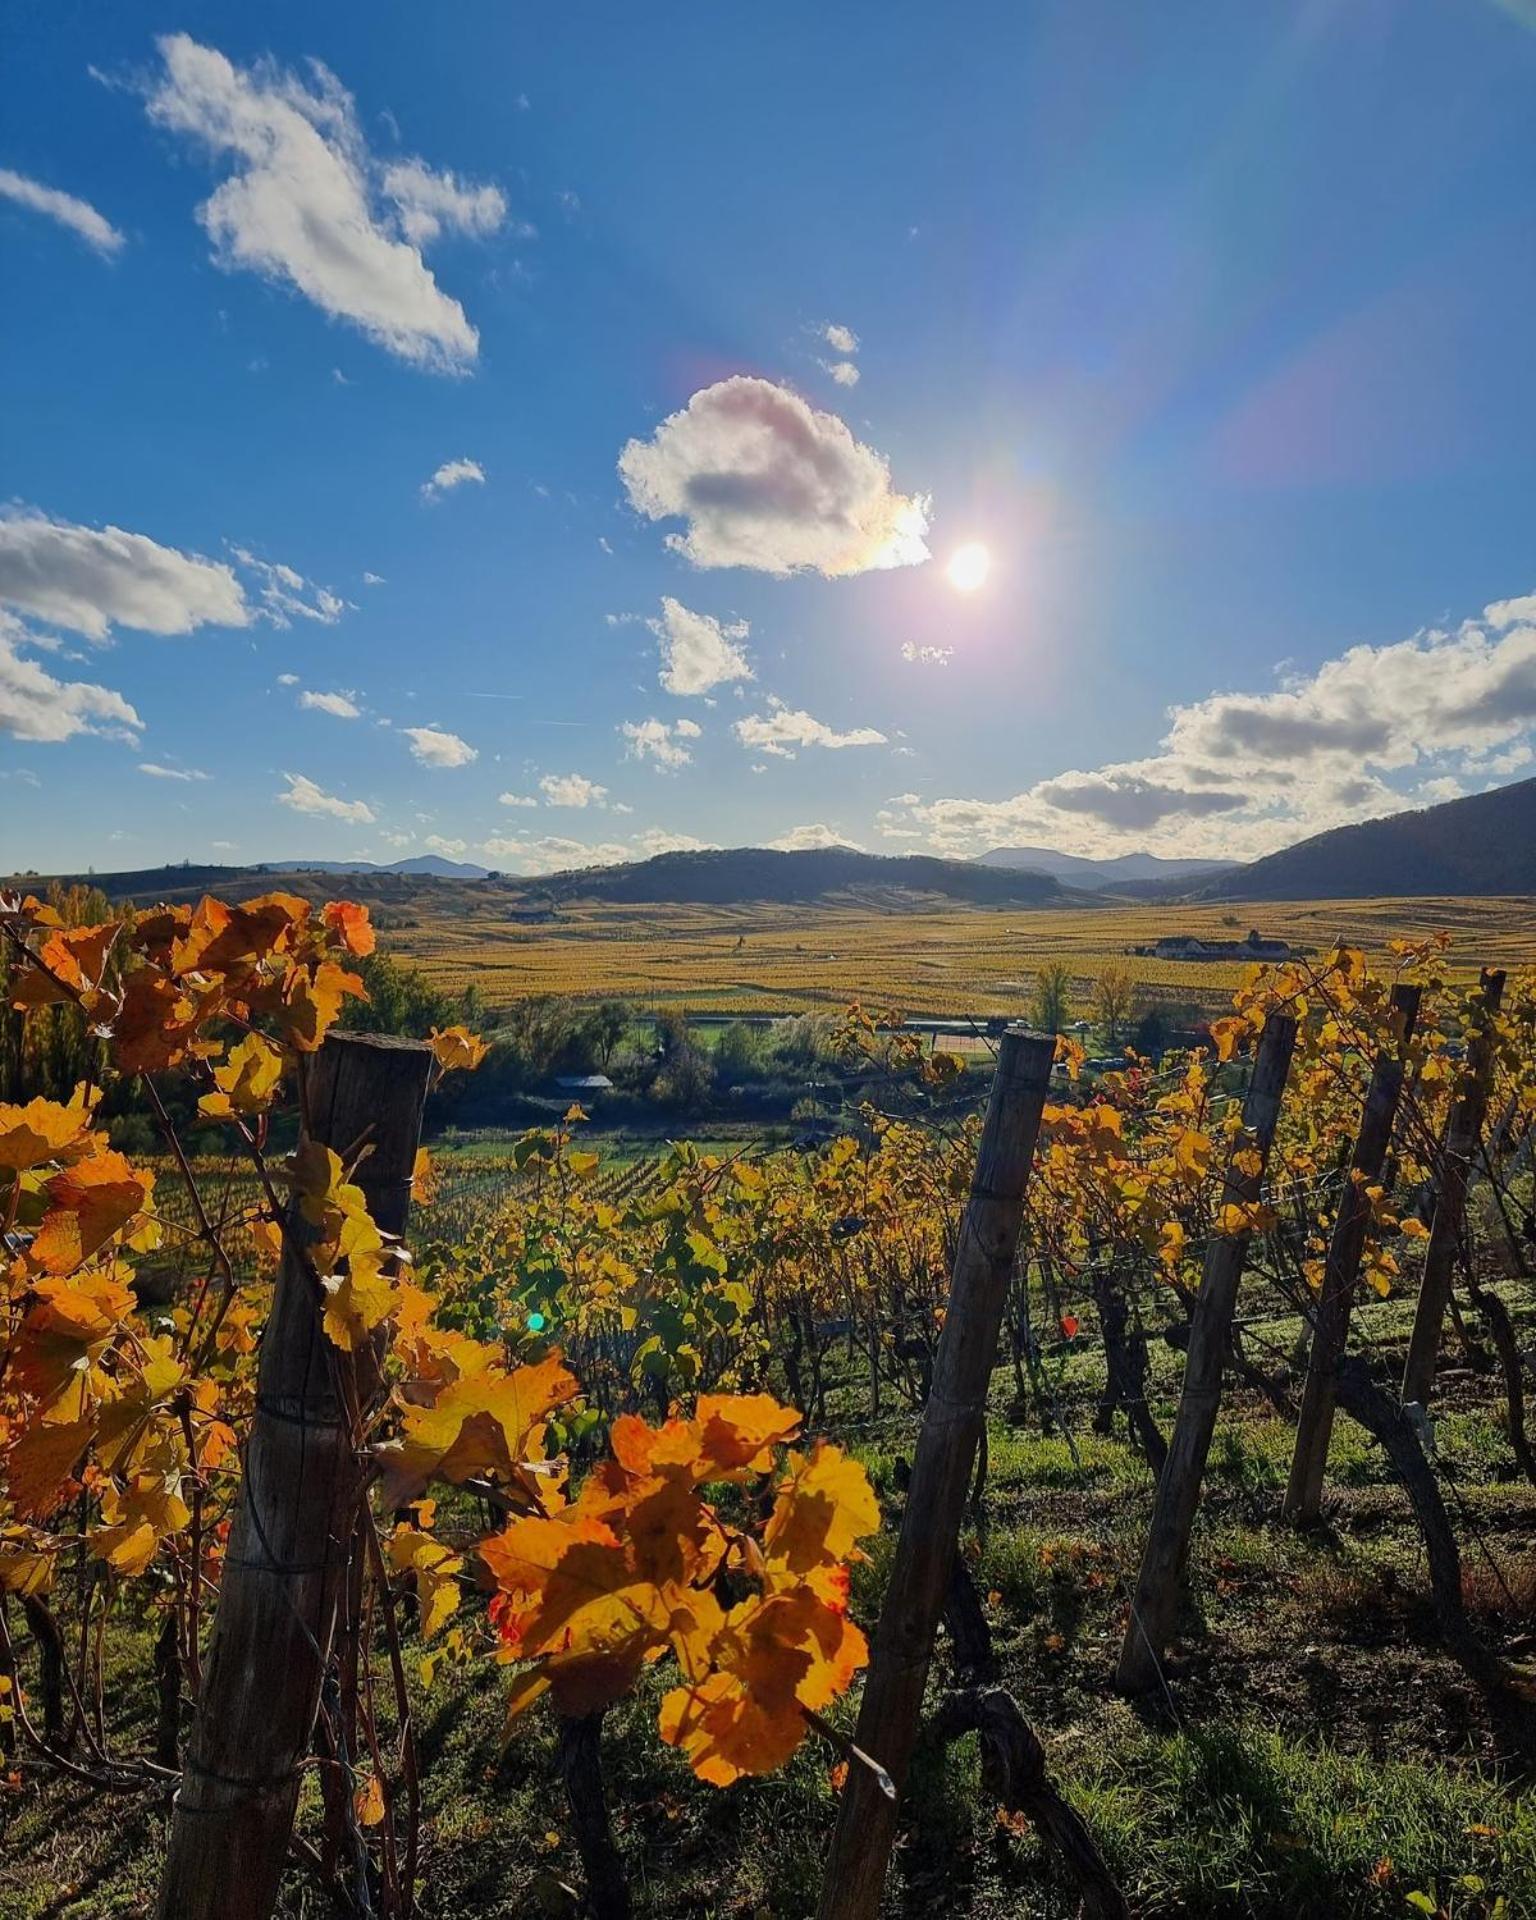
[[968, 567]]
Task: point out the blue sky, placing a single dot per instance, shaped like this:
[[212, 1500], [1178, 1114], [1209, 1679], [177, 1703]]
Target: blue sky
[[722, 331]]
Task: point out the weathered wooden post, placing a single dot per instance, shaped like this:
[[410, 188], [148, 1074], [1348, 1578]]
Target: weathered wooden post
[[1330, 1327], [293, 1526], [1463, 1131], [1156, 1600], [946, 1447]]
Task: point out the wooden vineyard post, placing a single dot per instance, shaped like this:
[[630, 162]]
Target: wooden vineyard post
[[293, 1525], [941, 1471], [1330, 1328], [1156, 1600], [1463, 1131]]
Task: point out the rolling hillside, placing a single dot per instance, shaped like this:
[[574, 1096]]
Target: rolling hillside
[[1484, 844], [762, 874], [742, 875]]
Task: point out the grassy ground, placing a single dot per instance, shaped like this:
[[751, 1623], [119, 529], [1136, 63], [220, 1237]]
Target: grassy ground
[[953, 960], [1317, 1754]]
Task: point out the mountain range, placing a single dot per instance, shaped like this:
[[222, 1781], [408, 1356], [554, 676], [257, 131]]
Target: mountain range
[[1075, 870], [1482, 844]]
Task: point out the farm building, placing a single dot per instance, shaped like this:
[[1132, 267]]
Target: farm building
[[1185, 946]]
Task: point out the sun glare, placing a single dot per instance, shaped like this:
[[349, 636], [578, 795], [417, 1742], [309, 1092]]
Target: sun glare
[[968, 567]]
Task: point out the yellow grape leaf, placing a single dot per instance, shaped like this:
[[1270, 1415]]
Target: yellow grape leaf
[[357, 1301], [825, 1504], [41, 1131], [456, 1047], [435, 1570], [368, 1802], [486, 1422], [247, 1080]]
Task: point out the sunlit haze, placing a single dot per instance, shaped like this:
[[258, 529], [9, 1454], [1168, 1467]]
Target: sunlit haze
[[551, 437]]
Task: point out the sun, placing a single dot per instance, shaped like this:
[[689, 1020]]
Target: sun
[[968, 567]]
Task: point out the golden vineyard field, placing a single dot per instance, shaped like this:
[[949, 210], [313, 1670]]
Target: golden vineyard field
[[953, 959]]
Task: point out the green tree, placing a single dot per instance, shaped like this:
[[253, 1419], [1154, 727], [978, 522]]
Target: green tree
[[1053, 997], [1113, 995]]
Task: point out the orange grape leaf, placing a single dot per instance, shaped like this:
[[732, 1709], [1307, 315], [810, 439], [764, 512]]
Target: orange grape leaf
[[350, 923]]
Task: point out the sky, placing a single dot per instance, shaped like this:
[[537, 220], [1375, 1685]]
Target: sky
[[543, 436]]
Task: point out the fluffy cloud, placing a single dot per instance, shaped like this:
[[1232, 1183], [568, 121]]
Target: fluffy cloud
[[844, 372], [809, 839], [840, 339], [697, 651], [435, 748], [517, 799], [157, 772], [926, 656], [450, 849], [428, 202], [1376, 730], [78, 215], [766, 481], [572, 790], [36, 706], [308, 205], [333, 703], [451, 474], [655, 740], [782, 729], [550, 853], [305, 797], [553, 853], [87, 578], [657, 840]]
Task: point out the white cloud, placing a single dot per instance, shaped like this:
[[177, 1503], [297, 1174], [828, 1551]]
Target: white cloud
[[844, 372], [840, 339], [287, 679], [552, 854], [451, 474], [517, 799], [78, 215], [302, 205], [435, 748], [927, 656], [766, 481], [572, 790], [373, 580], [36, 706], [283, 588], [697, 651], [429, 202], [655, 740], [450, 849], [1239, 774], [332, 703], [782, 729], [305, 797], [157, 772], [811, 838], [656, 840], [87, 578]]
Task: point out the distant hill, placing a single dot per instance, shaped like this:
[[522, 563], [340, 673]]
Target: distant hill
[[1483, 844], [1123, 870], [716, 878], [721, 877], [429, 863]]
